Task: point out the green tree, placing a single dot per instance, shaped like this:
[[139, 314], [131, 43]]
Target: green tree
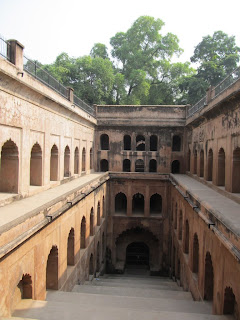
[[216, 56], [141, 53], [99, 50]]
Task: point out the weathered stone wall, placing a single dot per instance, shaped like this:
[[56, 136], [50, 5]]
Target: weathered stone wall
[[31, 256], [163, 122], [216, 249], [213, 141], [32, 114], [149, 226]]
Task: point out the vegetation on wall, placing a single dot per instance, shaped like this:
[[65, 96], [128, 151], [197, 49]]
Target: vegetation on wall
[[141, 70]]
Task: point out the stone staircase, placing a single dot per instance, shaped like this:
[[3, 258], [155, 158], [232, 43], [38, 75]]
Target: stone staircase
[[115, 297]]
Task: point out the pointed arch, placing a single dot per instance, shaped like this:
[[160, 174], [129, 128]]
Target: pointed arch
[[9, 167], [54, 163], [36, 165], [52, 269], [76, 161], [67, 162], [70, 248]]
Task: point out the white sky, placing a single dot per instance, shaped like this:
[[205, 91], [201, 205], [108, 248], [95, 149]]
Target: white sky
[[48, 27]]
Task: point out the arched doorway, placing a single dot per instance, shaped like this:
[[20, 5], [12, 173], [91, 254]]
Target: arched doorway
[[54, 163], [152, 165], [175, 166], [127, 142], [138, 203], [52, 269], [155, 203], [104, 142], [70, 248], [140, 143], [83, 233], [139, 165], [210, 165], [153, 143], [104, 165], [176, 143], [137, 253], [221, 168], [236, 171], [83, 159], [126, 165], [120, 203], [9, 167], [67, 162], [36, 166], [229, 302], [201, 163], [76, 161], [209, 278], [22, 291]]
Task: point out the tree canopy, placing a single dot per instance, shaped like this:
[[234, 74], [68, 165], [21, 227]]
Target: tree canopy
[[140, 69]]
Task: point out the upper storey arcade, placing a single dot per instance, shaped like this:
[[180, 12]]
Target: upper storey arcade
[[47, 133]]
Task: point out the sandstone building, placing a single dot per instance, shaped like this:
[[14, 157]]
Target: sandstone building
[[85, 190]]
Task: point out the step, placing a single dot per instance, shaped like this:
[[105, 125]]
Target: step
[[133, 292], [138, 280], [135, 277], [164, 286], [52, 310], [120, 302]]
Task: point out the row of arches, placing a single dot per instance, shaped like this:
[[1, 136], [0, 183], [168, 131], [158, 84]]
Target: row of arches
[[24, 288], [190, 246], [9, 166], [140, 142], [206, 170], [138, 203], [139, 165]]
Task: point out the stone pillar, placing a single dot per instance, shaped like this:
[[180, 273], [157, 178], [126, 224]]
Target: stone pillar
[[70, 94], [129, 200], [210, 93], [147, 203], [16, 53]]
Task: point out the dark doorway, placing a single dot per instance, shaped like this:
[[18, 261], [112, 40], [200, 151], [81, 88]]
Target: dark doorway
[[153, 143], [229, 301], [25, 287], [104, 142], [209, 278], [236, 171], [127, 142], [138, 203], [210, 165], [54, 163], [155, 203], [126, 165], [201, 163], [70, 248], [120, 203], [137, 253], [76, 161], [36, 166], [9, 164], [52, 269], [152, 165], [140, 143], [221, 168], [67, 162], [176, 143], [175, 166], [103, 165], [139, 165]]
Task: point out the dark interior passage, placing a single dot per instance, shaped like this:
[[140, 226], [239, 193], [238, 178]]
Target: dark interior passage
[[137, 253]]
